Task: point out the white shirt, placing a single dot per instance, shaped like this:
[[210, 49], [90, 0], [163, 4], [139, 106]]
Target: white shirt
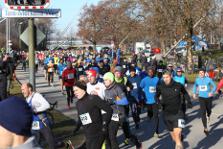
[[39, 103], [99, 88]]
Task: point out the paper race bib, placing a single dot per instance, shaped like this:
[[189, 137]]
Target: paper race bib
[[103, 112], [115, 117], [134, 85], [124, 66], [50, 69], [160, 70], [203, 88], [148, 59], [85, 119], [181, 123], [70, 76], [80, 69], [152, 89], [35, 125]]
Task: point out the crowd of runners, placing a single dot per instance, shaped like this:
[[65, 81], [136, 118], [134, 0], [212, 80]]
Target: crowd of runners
[[109, 89]]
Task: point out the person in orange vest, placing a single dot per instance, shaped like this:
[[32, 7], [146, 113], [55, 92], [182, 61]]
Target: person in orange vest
[[50, 70]]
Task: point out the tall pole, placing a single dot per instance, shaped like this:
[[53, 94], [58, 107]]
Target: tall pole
[[31, 52], [6, 39], [20, 32]]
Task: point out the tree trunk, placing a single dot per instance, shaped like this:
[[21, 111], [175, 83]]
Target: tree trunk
[[94, 45], [189, 49], [162, 44]]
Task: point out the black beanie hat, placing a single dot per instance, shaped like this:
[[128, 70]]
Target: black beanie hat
[[16, 116], [81, 84]]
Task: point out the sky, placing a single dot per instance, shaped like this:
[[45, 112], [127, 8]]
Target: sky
[[70, 12]]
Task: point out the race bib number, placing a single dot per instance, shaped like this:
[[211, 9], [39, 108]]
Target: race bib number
[[50, 69], [123, 66], [181, 123], [115, 117], [152, 89], [80, 69], [35, 125], [103, 112], [203, 88], [160, 70], [148, 59], [70, 76], [134, 85], [85, 119]]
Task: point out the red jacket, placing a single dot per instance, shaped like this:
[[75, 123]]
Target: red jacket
[[68, 77], [220, 85]]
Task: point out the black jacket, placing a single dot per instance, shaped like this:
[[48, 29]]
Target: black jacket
[[91, 105], [171, 97]]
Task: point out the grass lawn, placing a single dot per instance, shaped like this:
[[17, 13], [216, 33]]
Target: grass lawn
[[63, 125]]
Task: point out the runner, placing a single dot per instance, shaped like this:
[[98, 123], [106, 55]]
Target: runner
[[148, 85], [50, 70], [180, 78], [171, 102], [39, 105], [135, 93], [56, 60], [94, 87], [117, 99], [205, 88], [61, 67], [170, 68], [89, 111], [69, 77]]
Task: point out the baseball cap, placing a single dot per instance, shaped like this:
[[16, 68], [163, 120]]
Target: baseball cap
[[92, 72]]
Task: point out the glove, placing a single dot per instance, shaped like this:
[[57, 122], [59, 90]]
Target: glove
[[111, 101], [189, 105], [76, 130]]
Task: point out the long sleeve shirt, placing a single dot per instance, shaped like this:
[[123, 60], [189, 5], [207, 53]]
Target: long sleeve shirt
[[39, 103], [204, 86]]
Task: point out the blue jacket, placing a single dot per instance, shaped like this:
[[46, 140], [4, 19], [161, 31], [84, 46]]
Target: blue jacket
[[180, 79], [135, 92], [149, 85], [60, 68], [203, 86]]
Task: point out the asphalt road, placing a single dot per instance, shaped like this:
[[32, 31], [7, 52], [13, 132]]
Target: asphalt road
[[194, 136]]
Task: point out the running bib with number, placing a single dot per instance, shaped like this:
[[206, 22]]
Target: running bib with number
[[50, 69], [160, 70], [148, 59], [181, 123], [134, 85], [115, 117], [80, 69], [203, 88], [103, 112], [70, 76], [85, 119], [152, 89], [35, 125], [123, 66]]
